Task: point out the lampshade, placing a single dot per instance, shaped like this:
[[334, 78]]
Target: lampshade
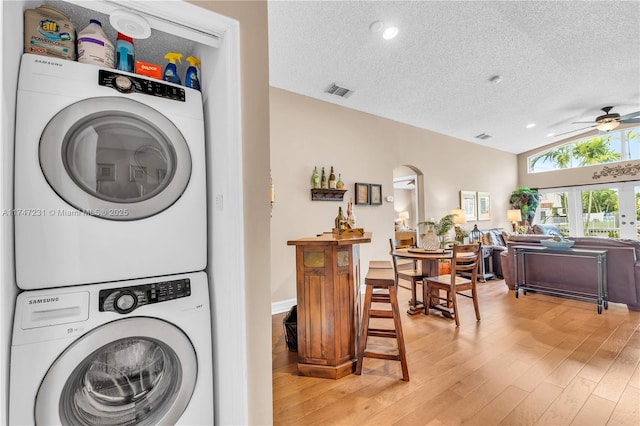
[[605, 126], [459, 216], [403, 215], [514, 215]]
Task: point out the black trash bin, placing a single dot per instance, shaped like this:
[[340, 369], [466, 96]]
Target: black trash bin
[[290, 324]]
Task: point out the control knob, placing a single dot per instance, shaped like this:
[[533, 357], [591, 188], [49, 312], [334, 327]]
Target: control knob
[[125, 302], [123, 84]]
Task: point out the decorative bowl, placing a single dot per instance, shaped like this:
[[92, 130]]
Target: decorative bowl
[[562, 244]]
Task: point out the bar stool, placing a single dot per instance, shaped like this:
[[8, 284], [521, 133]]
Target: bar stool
[[380, 264], [381, 279]]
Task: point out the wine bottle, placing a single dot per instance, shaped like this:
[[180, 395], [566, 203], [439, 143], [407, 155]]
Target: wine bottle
[[323, 180], [340, 219], [315, 180], [332, 179], [339, 183]]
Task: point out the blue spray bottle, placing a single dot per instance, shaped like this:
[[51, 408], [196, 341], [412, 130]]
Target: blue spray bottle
[[170, 71], [191, 78]]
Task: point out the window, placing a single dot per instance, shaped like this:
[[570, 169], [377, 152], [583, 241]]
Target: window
[[604, 210], [554, 209], [606, 148]]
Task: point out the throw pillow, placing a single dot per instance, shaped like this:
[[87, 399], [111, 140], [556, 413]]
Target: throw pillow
[[506, 235], [546, 230], [490, 239], [498, 235]]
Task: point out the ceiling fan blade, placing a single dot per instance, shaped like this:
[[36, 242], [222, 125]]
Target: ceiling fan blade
[[631, 120], [582, 122], [632, 115], [574, 131]]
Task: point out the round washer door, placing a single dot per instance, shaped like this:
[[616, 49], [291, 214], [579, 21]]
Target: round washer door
[[136, 370], [115, 158]]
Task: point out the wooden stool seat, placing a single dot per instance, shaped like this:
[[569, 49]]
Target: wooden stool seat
[[378, 279], [380, 264]]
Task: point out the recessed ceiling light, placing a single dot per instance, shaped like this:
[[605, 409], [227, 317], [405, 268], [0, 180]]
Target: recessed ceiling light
[[551, 134], [495, 79], [376, 26], [389, 33], [530, 125]]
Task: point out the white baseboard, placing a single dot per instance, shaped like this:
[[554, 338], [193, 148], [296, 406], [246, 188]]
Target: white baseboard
[[282, 306]]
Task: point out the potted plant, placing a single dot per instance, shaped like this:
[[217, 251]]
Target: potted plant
[[440, 229], [526, 200]]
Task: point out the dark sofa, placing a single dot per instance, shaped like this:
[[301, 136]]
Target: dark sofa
[[623, 267], [493, 243]]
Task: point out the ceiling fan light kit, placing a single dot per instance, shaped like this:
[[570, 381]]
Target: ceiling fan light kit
[[607, 126]]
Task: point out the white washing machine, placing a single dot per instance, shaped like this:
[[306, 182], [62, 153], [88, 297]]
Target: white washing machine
[[135, 352], [109, 176]]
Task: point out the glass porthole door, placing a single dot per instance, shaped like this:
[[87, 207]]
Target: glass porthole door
[[115, 158], [138, 371]]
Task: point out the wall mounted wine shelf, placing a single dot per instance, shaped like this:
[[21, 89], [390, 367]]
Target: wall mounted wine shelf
[[320, 194]]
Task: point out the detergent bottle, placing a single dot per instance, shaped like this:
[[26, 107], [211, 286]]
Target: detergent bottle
[[94, 47], [170, 71], [125, 53], [191, 78]]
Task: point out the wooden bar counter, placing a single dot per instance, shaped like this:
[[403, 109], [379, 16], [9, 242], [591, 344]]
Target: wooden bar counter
[[328, 295]]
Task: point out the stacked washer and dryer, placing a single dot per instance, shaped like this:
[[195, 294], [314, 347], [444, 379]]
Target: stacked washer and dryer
[[112, 325]]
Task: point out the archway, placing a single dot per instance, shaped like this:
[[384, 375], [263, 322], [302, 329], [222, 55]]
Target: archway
[[408, 199]]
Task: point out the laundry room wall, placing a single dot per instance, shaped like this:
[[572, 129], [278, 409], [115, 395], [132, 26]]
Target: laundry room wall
[[11, 52], [254, 59]]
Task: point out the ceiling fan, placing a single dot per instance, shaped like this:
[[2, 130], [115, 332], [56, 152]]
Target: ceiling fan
[[608, 121]]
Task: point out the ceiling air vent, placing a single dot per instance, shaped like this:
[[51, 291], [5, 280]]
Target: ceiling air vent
[[343, 92], [483, 136]]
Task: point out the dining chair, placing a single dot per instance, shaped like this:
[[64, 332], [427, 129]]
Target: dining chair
[[404, 264], [412, 275], [464, 259]]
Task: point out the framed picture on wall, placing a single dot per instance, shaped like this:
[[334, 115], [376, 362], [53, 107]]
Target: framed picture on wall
[[484, 206], [375, 196], [468, 204], [362, 193]]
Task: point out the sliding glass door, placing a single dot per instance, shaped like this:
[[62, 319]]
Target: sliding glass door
[[609, 210], [629, 210]]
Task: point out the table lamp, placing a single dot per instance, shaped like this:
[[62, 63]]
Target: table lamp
[[514, 216], [403, 216], [459, 218]]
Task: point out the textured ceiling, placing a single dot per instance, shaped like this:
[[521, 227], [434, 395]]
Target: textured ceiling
[[559, 62]]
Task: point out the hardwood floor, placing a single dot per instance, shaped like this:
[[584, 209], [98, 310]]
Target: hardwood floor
[[536, 360]]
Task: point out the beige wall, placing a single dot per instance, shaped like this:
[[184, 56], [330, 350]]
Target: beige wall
[[306, 132], [254, 65]]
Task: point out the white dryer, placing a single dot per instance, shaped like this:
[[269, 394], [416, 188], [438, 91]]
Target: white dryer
[[109, 176], [135, 352]]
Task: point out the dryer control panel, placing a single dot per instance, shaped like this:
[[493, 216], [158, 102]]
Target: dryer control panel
[[126, 299], [129, 84]]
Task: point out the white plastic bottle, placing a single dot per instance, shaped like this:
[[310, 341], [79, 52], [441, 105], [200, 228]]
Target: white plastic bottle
[[94, 47]]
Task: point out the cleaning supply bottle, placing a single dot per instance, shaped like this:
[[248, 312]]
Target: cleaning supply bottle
[[170, 71], [93, 45], [191, 78], [125, 54]]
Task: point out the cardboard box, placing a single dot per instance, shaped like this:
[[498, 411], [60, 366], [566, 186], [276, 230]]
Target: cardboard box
[[150, 70]]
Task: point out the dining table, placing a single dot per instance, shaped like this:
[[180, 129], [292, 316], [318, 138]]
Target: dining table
[[430, 260]]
